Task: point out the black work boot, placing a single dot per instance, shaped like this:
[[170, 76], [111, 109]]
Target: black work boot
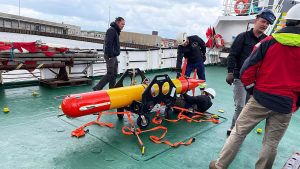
[[228, 132]]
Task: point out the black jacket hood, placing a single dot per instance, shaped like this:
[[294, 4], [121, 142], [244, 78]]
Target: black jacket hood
[[114, 25]]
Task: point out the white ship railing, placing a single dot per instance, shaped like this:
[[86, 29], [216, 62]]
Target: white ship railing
[[254, 6], [237, 20]]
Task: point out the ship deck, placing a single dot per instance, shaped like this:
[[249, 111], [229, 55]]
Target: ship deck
[[34, 136]]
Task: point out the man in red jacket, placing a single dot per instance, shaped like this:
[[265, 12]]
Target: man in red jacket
[[271, 76]]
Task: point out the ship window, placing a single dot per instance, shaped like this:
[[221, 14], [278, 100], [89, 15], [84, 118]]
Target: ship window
[[37, 28], [43, 28], [7, 24], [27, 26]]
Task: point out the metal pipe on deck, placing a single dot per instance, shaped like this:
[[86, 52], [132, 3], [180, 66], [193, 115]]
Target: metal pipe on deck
[[32, 66], [56, 55]]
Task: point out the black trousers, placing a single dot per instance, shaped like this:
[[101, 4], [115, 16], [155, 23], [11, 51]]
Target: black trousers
[[110, 76]]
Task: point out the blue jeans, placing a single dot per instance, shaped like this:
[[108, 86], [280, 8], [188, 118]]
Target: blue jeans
[[200, 69]]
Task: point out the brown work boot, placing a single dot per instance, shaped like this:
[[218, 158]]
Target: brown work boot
[[212, 164]]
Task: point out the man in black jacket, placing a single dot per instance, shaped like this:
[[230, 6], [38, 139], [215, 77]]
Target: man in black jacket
[[111, 49], [193, 48], [239, 52]]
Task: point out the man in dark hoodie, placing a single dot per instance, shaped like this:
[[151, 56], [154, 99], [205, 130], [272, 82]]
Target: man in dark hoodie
[[111, 49]]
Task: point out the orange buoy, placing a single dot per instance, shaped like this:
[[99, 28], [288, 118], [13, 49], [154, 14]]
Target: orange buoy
[[219, 40], [241, 6]]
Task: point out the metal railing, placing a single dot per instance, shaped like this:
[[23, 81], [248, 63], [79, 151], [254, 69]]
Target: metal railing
[[249, 7], [77, 38]]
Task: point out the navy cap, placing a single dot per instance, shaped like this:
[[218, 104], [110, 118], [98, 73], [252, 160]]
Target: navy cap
[[268, 15]]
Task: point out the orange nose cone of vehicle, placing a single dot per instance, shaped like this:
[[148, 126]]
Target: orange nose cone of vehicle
[[85, 103], [68, 106]]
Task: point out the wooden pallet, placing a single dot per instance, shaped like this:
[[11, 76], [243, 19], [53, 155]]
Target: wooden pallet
[[54, 83]]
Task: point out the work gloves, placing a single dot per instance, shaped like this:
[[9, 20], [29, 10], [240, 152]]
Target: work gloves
[[229, 78], [178, 75], [204, 58]]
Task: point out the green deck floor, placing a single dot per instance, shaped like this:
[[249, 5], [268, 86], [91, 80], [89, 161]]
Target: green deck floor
[[32, 136]]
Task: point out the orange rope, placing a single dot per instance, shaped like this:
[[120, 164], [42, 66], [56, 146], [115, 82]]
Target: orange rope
[[181, 116], [79, 132], [158, 140]]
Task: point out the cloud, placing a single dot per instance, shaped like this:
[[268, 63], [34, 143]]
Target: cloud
[[168, 17]]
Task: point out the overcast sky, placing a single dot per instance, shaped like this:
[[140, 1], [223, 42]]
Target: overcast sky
[[168, 17]]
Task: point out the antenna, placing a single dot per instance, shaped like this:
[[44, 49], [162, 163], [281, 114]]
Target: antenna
[[19, 15], [19, 7], [108, 16]]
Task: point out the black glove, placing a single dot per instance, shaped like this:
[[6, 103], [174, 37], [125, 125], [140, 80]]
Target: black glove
[[178, 75], [250, 90], [176, 69], [229, 78], [204, 58], [181, 96]]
